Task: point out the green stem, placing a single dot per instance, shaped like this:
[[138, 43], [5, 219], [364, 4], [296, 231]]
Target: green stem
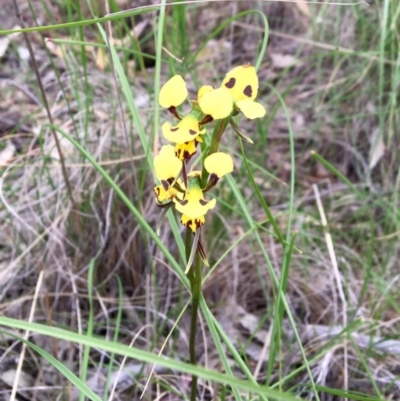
[[195, 284], [214, 145], [217, 135], [188, 243]]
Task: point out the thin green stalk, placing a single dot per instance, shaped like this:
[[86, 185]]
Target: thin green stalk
[[87, 87], [195, 283], [261, 198], [115, 336], [188, 243], [279, 308], [194, 275], [217, 135], [86, 352], [219, 130]]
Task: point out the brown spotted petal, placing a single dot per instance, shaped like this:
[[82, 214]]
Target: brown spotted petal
[[191, 223], [187, 130], [242, 83], [193, 204], [163, 194], [184, 151]]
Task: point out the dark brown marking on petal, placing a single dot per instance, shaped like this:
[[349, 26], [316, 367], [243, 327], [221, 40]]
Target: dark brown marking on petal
[[203, 202], [198, 223], [173, 111], [206, 120], [214, 178], [188, 223], [165, 184], [184, 202], [192, 132], [157, 191], [174, 129], [231, 83], [248, 91]]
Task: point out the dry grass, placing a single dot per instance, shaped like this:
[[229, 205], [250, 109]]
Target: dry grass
[[40, 230]]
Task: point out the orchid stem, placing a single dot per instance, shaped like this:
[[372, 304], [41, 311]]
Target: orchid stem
[[214, 145], [194, 275]]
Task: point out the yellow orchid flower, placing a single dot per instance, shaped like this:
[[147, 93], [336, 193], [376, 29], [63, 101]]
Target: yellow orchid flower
[[173, 93], [242, 85], [187, 130], [218, 164], [193, 206]]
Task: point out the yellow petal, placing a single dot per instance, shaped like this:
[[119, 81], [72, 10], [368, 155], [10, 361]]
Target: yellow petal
[[203, 90], [242, 82], [218, 163], [187, 130], [251, 109], [193, 224], [217, 103], [193, 204], [173, 92], [184, 151], [166, 164], [162, 194], [194, 210]]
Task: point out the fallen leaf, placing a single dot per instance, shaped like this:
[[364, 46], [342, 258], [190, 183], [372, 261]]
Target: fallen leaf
[[54, 48], [377, 149], [7, 153], [9, 377], [134, 33], [5, 41], [303, 7], [101, 59], [283, 60], [213, 50], [23, 53]]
